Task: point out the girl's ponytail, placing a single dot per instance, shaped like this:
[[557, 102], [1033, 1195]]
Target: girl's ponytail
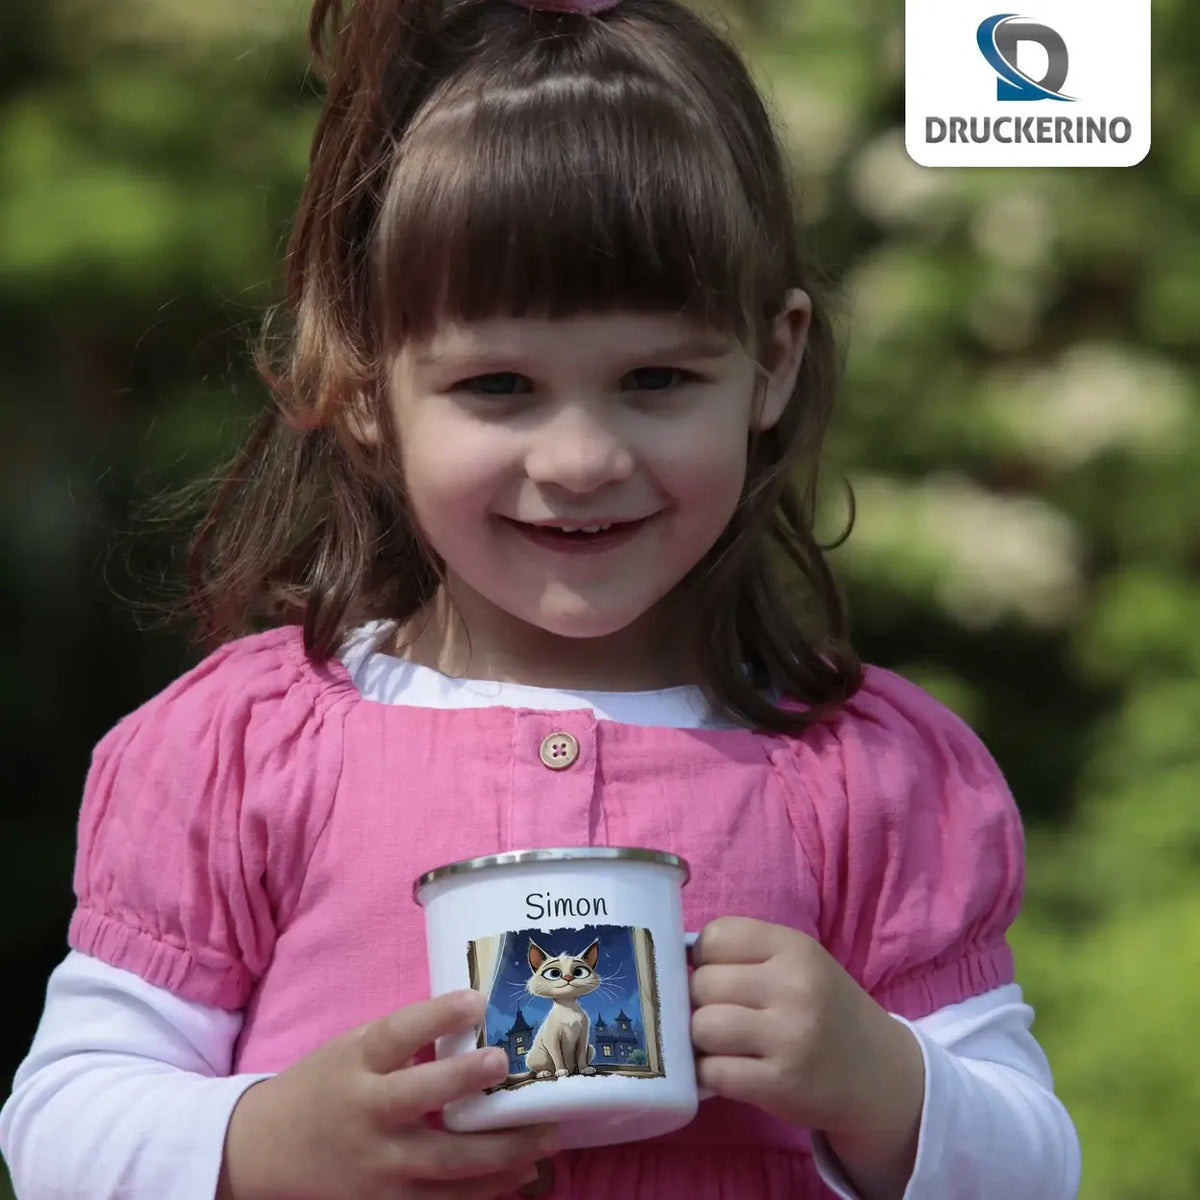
[[375, 59], [298, 530]]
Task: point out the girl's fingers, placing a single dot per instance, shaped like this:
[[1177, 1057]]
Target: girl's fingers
[[729, 1029], [410, 1093], [748, 1080], [435, 1155], [721, 984], [389, 1043], [739, 940]]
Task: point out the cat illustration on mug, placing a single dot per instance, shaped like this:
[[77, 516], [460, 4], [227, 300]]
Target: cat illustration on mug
[[579, 1037], [562, 1045]]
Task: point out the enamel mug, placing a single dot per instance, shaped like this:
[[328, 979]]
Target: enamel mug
[[582, 956]]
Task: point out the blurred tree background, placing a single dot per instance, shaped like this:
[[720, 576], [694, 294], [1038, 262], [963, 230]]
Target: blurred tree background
[[1021, 422]]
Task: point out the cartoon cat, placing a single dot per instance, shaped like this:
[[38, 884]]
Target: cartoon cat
[[562, 1045]]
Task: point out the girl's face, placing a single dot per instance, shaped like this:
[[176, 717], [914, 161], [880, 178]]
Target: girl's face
[[571, 472]]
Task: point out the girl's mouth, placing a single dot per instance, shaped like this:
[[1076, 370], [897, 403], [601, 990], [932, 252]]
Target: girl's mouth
[[570, 538]]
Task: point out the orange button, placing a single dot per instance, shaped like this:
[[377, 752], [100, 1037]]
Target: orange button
[[559, 751]]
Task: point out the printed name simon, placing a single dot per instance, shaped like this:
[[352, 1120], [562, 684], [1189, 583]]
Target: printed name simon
[[542, 904]]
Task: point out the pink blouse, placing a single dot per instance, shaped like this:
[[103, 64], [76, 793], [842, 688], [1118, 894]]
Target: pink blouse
[[249, 838]]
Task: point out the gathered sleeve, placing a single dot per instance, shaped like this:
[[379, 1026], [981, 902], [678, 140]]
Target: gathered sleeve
[[199, 814], [916, 846]]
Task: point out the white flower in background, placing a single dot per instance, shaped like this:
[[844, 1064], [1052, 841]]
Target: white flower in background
[[1014, 233], [816, 125], [895, 291], [890, 188], [1095, 397], [984, 557], [1005, 309], [1016, 229]]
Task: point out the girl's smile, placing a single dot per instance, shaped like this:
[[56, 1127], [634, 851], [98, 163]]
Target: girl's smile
[[595, 536]]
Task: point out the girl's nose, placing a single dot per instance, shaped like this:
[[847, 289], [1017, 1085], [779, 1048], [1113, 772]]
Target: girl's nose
[[578, 453]]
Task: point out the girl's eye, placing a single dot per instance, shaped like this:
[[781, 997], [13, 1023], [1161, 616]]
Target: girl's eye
[[554, 973], [498, 383], [581, 972], [657, 379]]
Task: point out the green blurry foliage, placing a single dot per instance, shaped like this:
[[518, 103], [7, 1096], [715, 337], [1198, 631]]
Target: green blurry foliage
[[1020, 421]]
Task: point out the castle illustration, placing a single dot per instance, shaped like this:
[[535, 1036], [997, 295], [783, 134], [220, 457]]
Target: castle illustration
[[618, 1043]]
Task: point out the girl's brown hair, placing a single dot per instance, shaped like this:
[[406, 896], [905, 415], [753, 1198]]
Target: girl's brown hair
[[476, 158]]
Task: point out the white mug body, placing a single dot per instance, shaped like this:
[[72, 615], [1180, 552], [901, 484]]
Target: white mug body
[[613, 1064]]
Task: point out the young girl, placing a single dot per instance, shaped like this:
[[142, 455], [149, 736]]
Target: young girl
[[541, 463]]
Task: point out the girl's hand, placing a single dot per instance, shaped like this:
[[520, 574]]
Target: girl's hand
[[781, 1025], [347, 1121]]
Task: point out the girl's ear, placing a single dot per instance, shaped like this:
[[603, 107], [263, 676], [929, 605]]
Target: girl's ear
[[361, 422], [781, 359]]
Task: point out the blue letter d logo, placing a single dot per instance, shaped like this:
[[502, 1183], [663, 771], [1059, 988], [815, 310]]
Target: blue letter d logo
[[998, 38]]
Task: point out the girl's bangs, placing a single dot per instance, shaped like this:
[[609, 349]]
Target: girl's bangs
[[571, 195]]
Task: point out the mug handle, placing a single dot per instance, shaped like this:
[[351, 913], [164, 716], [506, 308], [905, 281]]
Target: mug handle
[[689, 940]]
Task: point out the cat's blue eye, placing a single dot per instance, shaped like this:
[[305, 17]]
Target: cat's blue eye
[[497, 383], [581, 972], [657, 379], [553, 973]]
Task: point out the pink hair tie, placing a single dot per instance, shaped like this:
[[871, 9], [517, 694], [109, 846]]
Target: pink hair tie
[[585, 8]]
